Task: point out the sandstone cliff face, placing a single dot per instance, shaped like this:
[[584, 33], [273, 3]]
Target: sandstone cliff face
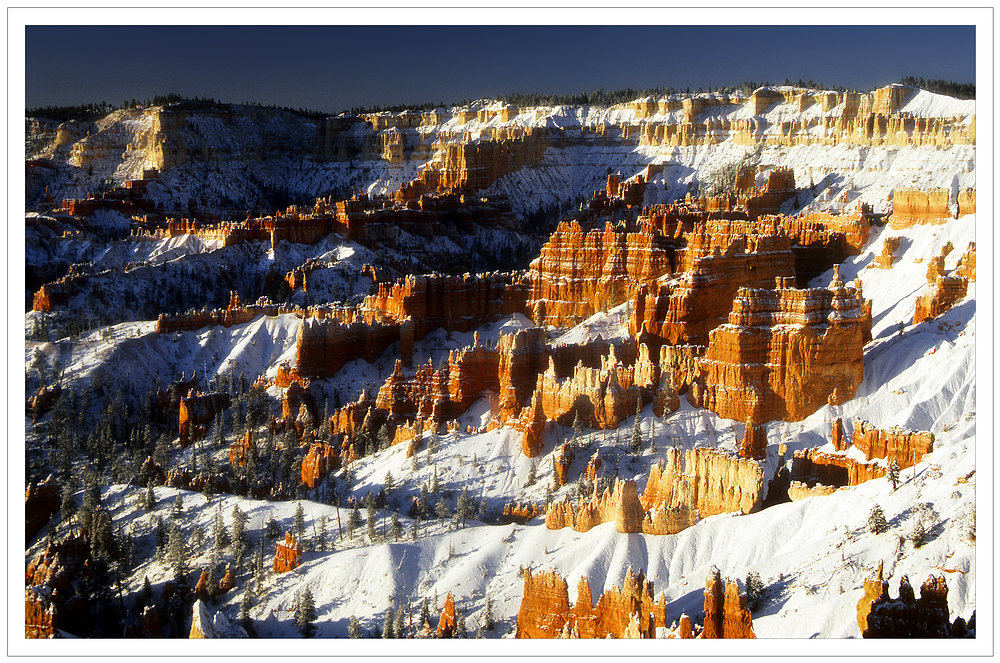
[[322, 347], [438, 395], [470, 166], [523, 355], [880, 616], [966, 202], [700, 482], [784, 353], [915, 207], [683, 311], [602, 397], [946, 291], [579, 273], [904, 447], [455, 303], [705, 480]]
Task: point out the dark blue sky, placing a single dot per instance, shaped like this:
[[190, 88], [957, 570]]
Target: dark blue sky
[[334, 68]]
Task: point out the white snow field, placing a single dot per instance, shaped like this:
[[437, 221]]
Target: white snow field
[[813, 554]]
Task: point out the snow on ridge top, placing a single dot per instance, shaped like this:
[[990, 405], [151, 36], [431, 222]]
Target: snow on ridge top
[[931, 104]]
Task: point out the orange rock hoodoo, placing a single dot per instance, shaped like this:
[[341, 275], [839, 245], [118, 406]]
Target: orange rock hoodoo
[[785, 353], [287, 554], [320, 460], [403, 312], [699, 482], [818, 473], [455, 303], [755, 201], [726, 611], [439, 395], [967, 264], [197, 412], [579, 273], [885, 259], [905, 447], [631, 611], [52, 579], [684, 311], [946, 291], [446, 623], [880, 616]]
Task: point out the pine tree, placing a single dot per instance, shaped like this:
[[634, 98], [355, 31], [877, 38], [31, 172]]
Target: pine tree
[[259, 572], [238, 537], [464, 507], [305, 614], [442, 510], [220, 538], [399, 625], [322, 534], [459, 631], [353, 520], [197, 537], [876, 521], [395, 528], [300, 524], [919, 534], [161, 537], [388, 484], [67, 506], [755, 590], [636, 444], [577, 426], [273, 531], [531, 474], [435, 486], [246, 604], [652, 436], [425, 614], [894, 474], [176, 554], [388, 625], [353, 628], [487, 621]]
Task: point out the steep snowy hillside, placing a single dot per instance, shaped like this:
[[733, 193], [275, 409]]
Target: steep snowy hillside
[[703, 331]]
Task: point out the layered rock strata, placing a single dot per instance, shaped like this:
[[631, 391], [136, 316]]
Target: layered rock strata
[[785, 352], [684, 310], [579, 273], [906, 448], [945, 292]]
